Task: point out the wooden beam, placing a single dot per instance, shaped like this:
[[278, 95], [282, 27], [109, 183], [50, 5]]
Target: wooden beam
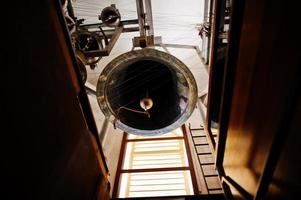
[[191, 166], [119, 165], [163, 169], [152, 139]]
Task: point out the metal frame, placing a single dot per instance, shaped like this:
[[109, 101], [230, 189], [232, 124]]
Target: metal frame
[[123, 23], [108, 48], [111, 35]]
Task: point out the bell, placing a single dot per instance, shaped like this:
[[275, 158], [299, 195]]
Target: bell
[[110, 16], [146, 92], [87, 41]]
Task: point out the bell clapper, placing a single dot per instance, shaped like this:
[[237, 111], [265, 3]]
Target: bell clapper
[[146, 103]]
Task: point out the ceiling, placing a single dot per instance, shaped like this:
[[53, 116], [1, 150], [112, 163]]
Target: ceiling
[[175, 21]]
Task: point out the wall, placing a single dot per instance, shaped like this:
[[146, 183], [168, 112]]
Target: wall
[[47, 150], [110, 138], [266, 89], [284, 183]]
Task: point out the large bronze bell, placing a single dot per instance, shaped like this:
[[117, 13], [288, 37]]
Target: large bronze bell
[[146, 92]]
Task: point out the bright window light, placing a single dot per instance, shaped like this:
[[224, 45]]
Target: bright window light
[[155, 167]]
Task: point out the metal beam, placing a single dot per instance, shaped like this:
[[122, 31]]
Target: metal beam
[[196, 48], [140, 13], [149, 16], [110, 32], [96, 25], [164, 47], [180, 46], [130, 29], [91, 88]]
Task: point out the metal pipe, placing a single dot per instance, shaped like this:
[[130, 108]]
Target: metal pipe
[[96, 25], [140, 13], [149, 16]]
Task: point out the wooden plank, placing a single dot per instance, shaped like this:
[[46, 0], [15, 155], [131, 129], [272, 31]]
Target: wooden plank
[[154, 169], [190, 161], [209, 170], [198, 133], [203, 149], [213, 183], [200, 140], [206, 159], [152, 139]]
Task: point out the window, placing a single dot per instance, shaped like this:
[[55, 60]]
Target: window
[[155, 166]]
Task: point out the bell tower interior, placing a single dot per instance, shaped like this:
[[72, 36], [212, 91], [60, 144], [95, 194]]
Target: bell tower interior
[[146, 99]]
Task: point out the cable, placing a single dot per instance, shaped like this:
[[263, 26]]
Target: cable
[[117, 117]]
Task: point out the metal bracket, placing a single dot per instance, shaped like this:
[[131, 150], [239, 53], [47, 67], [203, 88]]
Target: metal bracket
[[106, 51]]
